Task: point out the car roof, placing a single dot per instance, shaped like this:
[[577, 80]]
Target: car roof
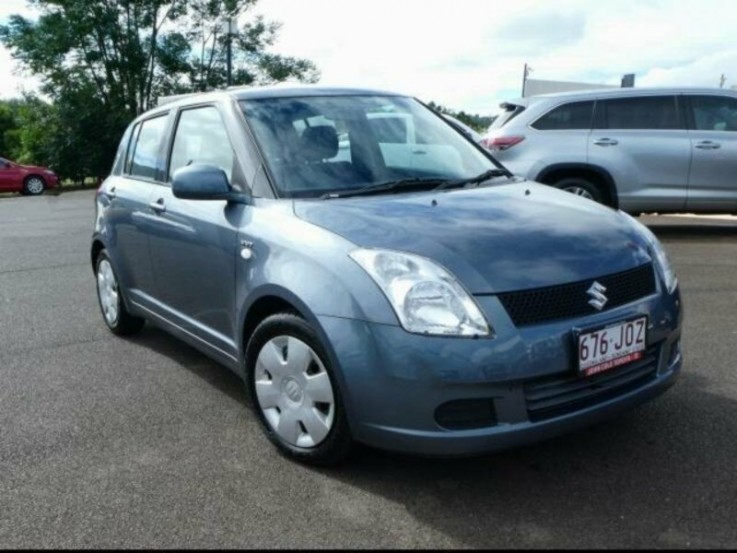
[[621, 93], [286, 90]]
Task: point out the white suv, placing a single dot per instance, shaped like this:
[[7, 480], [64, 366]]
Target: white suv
[[639, 149]]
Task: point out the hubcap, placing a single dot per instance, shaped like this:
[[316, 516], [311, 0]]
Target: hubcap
[[107, 288], [578, 191], [294, 392], [35, 186]]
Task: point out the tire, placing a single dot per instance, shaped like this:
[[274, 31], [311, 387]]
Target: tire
[[110, 299], [295, 393], [584, 188], [34, 186]]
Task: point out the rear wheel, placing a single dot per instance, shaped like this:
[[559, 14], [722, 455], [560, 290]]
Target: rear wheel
[[294, 391], [583, 188], [34, 186], [109, 295]]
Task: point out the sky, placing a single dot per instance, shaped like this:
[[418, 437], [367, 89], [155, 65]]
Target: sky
[[470, 54]]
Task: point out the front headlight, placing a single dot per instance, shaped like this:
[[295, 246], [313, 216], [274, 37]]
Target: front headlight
[[426, 298], [658, 253]]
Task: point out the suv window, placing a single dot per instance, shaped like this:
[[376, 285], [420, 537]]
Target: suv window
[[201, 137], [645, 113], [714, 113], [576, 115], [510, 112], [146, 149]]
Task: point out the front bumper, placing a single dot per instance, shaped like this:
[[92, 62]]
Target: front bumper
[[394, 382]]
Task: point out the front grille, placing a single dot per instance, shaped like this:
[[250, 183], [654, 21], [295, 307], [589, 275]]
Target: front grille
[[553, 396], [566, 301]]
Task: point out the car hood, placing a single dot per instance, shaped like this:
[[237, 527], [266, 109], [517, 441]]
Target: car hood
[[495, 239]]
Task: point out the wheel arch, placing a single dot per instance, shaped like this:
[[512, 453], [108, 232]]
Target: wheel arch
[[271, 299], [97, 247], [595, 173]]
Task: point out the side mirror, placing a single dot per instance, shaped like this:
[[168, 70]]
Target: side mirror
[[201, 181]]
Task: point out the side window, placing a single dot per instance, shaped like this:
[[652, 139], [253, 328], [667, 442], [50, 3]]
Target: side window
[[576, 115], [646, 113], [146, 151], [201, 138], [714, 113]]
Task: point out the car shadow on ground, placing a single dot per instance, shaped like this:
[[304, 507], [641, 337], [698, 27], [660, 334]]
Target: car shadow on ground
[[639, 480], [667, 231], [644, 479], [215, 374]]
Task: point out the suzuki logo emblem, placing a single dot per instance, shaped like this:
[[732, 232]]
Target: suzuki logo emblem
[[598, 299]]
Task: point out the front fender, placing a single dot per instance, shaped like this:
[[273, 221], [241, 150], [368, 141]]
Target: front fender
[[306, 266]]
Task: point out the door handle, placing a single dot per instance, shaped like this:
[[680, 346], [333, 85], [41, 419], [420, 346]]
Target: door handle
[[708, 145], [111, 193], [606, 142], [158, 206]]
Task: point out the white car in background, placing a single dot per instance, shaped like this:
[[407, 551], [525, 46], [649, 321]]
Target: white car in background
[[638, 149]]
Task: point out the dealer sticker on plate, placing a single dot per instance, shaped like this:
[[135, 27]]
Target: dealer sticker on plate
[[604, 349]]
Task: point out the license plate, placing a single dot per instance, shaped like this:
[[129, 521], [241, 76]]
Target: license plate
[[607, 348]]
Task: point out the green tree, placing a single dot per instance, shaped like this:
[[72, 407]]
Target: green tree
[[103, 62]]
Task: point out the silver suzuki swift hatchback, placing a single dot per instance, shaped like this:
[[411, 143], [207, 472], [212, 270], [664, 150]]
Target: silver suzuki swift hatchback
[[375, 276]]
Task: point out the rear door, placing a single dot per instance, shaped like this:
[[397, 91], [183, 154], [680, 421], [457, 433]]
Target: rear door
[[130, 215], [643, 142], [713, 132]]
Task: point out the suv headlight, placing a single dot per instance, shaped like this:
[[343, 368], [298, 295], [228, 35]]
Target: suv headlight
[[657, 251], [426, 298]]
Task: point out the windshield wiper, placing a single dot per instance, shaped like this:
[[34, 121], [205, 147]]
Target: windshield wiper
[[478, 179], [388, 186]]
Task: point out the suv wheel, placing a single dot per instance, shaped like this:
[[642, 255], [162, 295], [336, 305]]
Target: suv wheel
[[583, 188], [109, 294], [294, 391]]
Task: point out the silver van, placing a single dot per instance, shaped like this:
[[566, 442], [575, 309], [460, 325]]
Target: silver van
[[638, 149]]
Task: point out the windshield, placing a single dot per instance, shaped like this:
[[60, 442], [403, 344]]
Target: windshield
[[315, 146]]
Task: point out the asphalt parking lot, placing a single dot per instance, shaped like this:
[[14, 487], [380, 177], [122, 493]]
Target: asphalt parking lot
[[144, 442]]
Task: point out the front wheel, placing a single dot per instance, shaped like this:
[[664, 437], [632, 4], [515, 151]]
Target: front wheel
[[34, 186], [294, 391], [583, 188], [114, 312]]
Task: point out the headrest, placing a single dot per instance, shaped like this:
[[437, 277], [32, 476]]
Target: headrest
[[318, 143]]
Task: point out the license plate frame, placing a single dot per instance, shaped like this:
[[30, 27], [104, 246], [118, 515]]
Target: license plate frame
[[602, 363]]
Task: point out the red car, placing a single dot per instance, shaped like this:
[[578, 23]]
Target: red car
[[25, 179]]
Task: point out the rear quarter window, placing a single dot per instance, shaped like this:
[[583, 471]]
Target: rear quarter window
[[573, 116], [147, 148], [510, 111]]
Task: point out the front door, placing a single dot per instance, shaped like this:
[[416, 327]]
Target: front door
[[194, 244], [11, 177]]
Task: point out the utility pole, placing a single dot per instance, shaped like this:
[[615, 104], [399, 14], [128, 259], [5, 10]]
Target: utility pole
[[229, 24], [722, 80], [526, 74]]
